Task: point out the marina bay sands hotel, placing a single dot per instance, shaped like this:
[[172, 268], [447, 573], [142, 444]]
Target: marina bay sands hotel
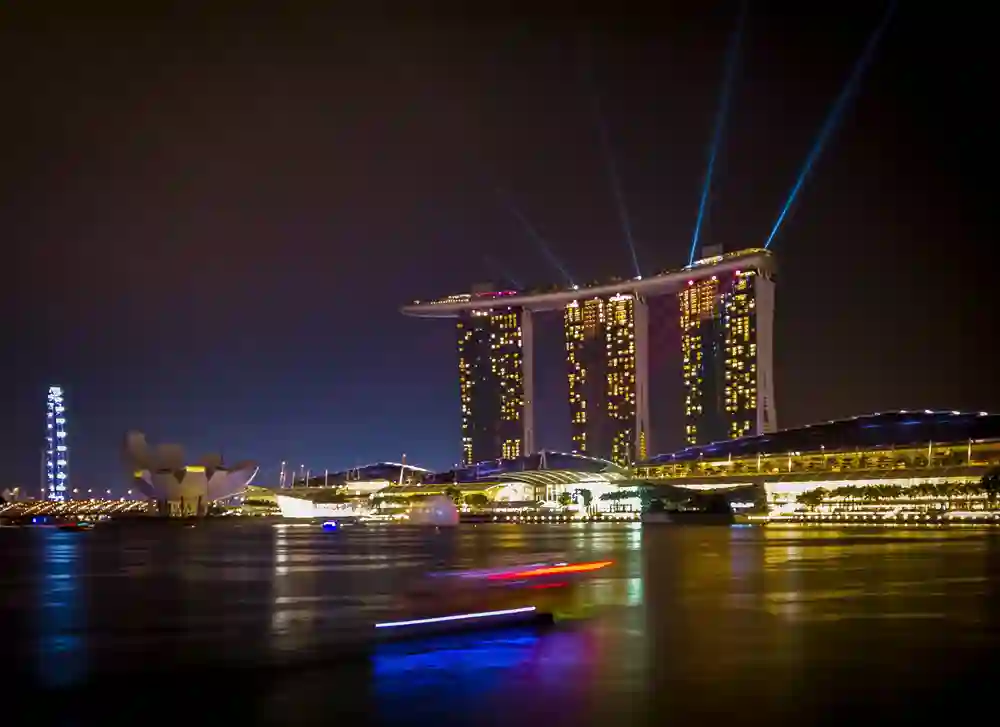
[[726, 307]]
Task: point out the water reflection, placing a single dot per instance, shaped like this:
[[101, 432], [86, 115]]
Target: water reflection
[[405, 669], [61, 618], [688, 621]]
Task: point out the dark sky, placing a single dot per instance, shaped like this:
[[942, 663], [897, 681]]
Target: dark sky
[[210, 220]]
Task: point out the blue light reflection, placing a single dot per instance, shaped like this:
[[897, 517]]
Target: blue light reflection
[[61, 655]]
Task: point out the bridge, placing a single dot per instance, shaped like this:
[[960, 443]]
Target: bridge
[[72, 509]]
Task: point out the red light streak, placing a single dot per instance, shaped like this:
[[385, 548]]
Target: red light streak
[[551, 570]]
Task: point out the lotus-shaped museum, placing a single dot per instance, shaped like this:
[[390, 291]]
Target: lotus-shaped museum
[[161, 474]]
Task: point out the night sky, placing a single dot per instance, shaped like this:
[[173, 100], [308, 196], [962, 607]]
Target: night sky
[[210, 220]]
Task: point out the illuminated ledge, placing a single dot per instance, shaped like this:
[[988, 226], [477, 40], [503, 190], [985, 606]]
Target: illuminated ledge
[[654, 285]]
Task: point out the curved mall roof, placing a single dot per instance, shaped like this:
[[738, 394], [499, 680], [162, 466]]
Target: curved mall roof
[[666, 282], [542, 478], [871, 431], [540, 461], [374, 471]]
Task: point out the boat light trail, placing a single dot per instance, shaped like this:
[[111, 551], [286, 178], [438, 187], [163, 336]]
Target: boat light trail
[[550, 571], [732, 59], [834, 117], [456, 617]]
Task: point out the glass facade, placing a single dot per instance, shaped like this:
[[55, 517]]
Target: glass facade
[[491, 384], [720, 357], [601, 360]]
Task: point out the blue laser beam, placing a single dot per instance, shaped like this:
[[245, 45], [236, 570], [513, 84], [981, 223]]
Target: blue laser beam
[[507, 276], [608, 154], [732, 59], [533, 233], [614, 179], [833, 118]]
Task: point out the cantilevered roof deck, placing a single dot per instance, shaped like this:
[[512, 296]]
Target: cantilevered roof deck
[[666, 282]]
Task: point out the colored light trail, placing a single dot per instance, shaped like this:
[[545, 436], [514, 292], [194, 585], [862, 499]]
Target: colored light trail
[[732, 59], [562, 569], [456, 617], [834, 117]]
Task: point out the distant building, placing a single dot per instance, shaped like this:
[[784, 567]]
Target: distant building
[[492, 363], [887, 462], [726, 349]]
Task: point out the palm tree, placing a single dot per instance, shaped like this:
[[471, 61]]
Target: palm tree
[[810, 499], [946, 490], [477, 499], [990, 484]]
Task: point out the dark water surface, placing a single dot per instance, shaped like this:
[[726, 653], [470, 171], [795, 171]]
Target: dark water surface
[[262, 624]]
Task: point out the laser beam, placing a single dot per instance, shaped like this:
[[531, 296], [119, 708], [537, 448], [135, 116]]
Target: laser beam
[[498, 268], [732, 58], [833, 118], [533, 233], [608, 153], [614, 179]]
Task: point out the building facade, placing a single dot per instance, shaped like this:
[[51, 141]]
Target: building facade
[[603, 347], [726, 349], [492, 367]]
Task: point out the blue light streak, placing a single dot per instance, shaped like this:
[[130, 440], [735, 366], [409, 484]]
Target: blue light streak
[[833, 118], [61, 653], [536, 236], [615, 181], [456, 617], [496, 266], [732, 57]]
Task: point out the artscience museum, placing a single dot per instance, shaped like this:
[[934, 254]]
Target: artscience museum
[[178, 487]]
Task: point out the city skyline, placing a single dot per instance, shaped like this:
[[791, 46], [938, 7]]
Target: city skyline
[[211, 245]]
